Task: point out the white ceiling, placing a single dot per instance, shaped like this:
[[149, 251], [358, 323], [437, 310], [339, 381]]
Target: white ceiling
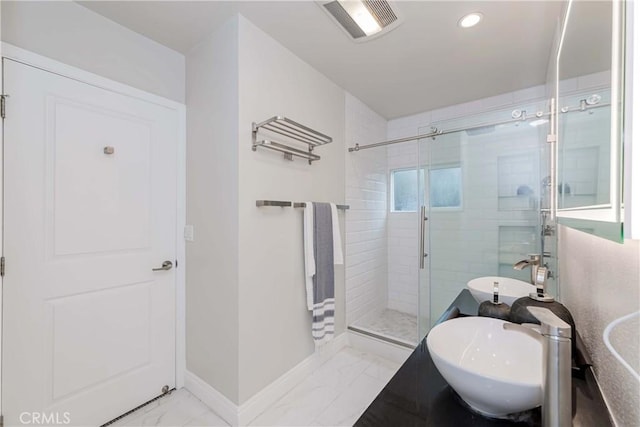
[[426, 63]]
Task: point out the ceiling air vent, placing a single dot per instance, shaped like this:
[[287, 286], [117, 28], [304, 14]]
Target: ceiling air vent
[[363, 19]]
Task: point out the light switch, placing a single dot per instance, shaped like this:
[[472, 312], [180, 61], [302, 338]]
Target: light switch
[[188, 233]]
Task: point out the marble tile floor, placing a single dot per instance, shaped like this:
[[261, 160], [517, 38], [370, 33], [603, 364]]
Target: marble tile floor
[[180, 408], [335, 394], [391, 323]]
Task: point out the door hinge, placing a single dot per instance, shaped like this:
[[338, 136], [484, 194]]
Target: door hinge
[[1, 275], [3, 105]]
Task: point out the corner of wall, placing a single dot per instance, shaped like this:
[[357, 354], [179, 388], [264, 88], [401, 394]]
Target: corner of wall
[[212, 208]]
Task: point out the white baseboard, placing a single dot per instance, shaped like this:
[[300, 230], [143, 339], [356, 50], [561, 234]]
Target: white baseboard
[[219, 403], [269, 395], [242, 415], [387, 350]]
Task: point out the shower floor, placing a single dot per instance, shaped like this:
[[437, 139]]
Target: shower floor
[[391, 324]]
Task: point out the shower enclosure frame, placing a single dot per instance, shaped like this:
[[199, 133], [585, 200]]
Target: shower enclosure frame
[[545, 227]]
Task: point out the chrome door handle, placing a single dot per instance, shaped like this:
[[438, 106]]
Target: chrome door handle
[[422, 255], [167, 265]]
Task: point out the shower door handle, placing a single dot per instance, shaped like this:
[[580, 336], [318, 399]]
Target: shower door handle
[[423, 218]]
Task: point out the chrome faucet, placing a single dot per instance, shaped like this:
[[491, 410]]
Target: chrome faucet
[[555, 336], [533, 262], [539, 275]]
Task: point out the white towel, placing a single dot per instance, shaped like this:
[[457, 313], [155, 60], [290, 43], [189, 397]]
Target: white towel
[[337, 240], [309, 257], [323, 324]]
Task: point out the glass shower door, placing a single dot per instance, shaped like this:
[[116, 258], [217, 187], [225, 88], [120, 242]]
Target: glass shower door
[[445, 233], [482, 187]]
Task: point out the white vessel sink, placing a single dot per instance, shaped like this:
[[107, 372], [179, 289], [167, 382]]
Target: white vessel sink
[[496, 371], [509, 289]]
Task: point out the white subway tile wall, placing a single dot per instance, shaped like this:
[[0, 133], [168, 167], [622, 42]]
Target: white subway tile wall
[[402, 238], [366, 221]]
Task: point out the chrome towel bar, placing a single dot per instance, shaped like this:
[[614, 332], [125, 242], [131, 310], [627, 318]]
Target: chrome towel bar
[[303, 205], [286, 204], [260, 203]]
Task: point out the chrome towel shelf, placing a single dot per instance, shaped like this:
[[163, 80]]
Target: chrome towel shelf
[[294, 133], [283, 204]]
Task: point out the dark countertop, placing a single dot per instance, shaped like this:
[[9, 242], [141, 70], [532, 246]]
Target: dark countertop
[[417, 395]]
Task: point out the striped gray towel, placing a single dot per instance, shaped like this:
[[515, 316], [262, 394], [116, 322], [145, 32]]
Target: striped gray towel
[[323, 281]]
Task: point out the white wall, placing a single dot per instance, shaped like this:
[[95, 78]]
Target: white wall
[[366, 221], [600, 282], [247, 320], [72, 34], [212, 207], [275, 325]]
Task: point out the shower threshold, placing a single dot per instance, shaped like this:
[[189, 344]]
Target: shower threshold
[[389, 325], [382, 337]]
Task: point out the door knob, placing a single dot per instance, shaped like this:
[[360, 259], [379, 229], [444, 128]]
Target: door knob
[[167, 265]]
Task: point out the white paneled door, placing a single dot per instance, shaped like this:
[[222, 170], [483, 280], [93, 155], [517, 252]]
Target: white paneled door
[[90, 210]]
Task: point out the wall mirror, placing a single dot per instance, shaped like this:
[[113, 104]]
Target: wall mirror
[[589, 92]]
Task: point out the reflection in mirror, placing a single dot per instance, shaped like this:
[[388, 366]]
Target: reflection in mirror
[[588, 113], [584, 157]]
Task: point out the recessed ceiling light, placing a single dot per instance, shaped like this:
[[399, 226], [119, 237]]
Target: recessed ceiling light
[[470, 20]]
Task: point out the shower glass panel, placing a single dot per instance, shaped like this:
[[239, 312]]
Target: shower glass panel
[[382, 271], [405, 180], [482, 190]]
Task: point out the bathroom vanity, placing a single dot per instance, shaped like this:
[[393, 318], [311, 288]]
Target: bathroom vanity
[[417, 395]]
